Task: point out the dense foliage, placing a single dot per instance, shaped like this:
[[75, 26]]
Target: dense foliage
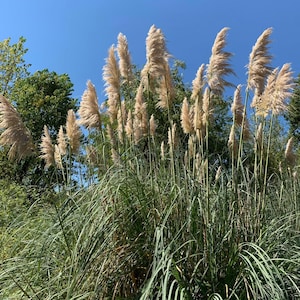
[[183, 195]]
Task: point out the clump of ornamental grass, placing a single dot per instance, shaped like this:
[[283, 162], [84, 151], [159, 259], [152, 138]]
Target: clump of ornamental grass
[[169, 219], [15, 135], [89, 112]]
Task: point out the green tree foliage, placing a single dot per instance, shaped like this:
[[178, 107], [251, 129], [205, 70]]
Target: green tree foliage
[[43, 98], [12, 64], [293, 115]]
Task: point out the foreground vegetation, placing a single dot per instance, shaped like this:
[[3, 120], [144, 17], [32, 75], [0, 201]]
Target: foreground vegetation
[[166, 196]]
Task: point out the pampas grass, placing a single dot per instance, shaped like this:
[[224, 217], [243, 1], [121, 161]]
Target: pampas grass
[[89, 109], [259, 63], [290, 156], [15, 134], [219, 66], [73, 132], [185, 117], [166, 216], [156, 55], [125, 65], [198, 83], [47, 148], [111, 77], [61, 141]]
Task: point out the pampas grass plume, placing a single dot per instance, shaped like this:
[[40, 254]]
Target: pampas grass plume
[[259, 60], [47, 148], [111, 76], [89, 109], [219, 66], [198, 83], [73, 132], [15, 134], [290, 156], [186, 123], [125, 66]]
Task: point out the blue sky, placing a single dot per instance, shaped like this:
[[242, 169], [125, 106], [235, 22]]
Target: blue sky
[[73, 36]]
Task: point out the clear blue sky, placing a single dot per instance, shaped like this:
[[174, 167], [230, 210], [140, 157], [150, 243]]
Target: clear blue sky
[[73, 36]]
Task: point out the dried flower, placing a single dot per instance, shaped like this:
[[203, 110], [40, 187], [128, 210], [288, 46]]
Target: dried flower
[[89, 109], [111, 76], [218, 174], [152, 125], [207, 108], [198, 83], [15, 134], [219, 66], [61, 141], [115, 157], [156, 54], [57, 158], [283, 88], [259, 60], [290, 156], [186, 123], [124, 58], [47, 148], [232, 142], [129, 125], [239, 113], [166, 89], [137, 131], [73, 132]]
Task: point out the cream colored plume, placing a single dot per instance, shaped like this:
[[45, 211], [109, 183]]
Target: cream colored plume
[[111, 76], [14, 134], [290, 156], [89, 109], [198, 83], [47, 148], [73, 132], [186, 122], [124, 58], [219, 66], [259, 62], [156, 53]]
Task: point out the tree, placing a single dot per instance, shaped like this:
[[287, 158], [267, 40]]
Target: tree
[[12, 64], [293, 115], [43, 98]]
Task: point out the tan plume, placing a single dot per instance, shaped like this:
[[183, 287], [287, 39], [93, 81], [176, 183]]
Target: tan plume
[[290, 156], [111, 76], [89, 109], [259, 60], [239, 113], [15, 134], [186, 122], [61, 141], [124, 58], [58, 158], [152, 125], [219, 66], [198, 83], [47, 148], [73, 132]]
